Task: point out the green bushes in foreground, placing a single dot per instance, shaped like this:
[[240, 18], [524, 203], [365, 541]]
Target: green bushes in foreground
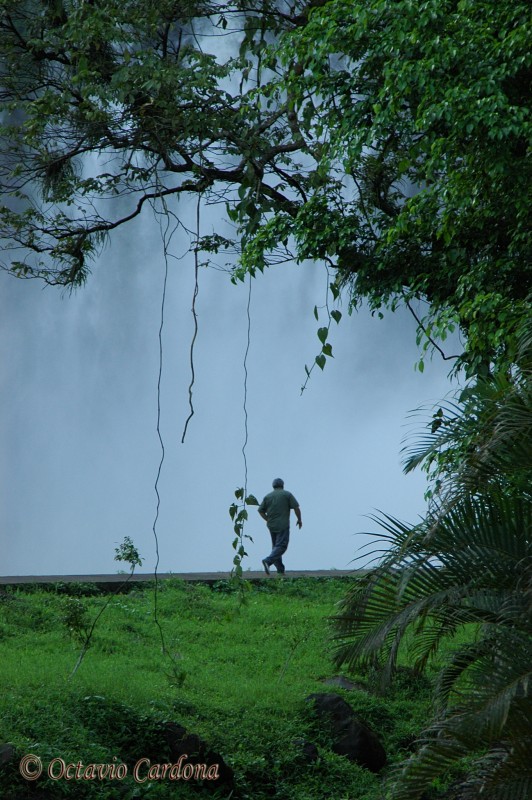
[[246, 673]]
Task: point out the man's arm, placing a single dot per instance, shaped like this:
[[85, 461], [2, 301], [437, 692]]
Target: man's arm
[[262, 510], [298, 515]]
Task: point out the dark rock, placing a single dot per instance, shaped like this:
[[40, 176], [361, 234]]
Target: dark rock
[[179, 742], [308, 751], [351, 738], [137, 737], [172, 733], [7, 753]]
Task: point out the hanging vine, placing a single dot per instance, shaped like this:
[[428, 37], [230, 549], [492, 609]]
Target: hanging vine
[[323, 332], [167, 234], [238, 511], [195, 317]]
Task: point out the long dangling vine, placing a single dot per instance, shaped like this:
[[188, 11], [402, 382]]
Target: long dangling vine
[[238, 510], [195, 317]]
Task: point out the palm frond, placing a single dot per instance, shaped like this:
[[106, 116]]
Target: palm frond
[[467, 567]]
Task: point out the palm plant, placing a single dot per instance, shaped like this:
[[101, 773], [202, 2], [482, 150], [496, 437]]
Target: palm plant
[[482, 441], [465, 569]]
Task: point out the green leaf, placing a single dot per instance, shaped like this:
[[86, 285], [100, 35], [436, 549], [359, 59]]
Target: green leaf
[[322, 334], [320, 361]]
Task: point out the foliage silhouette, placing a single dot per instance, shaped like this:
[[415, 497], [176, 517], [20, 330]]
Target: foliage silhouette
[[465, 569], [386, 139]]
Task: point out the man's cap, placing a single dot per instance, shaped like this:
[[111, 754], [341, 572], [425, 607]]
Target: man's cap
[[278, 483]]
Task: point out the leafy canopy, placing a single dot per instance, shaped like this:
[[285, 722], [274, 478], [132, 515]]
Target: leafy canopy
[[389, 139], [417, 117]]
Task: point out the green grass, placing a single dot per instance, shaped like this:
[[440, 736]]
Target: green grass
[[238, 677]]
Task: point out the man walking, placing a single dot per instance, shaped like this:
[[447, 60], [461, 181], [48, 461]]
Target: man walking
[[275, 509]]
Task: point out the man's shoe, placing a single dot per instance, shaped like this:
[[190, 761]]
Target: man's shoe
[[266, 566]]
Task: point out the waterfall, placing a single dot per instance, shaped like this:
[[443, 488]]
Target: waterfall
[[78, 426]]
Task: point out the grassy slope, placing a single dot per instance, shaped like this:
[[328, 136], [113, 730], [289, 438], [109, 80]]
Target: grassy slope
[[246, 672]]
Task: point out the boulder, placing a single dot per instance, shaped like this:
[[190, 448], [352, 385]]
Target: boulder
[[180, 742], [7, 753], [351, 738], [308, 751]]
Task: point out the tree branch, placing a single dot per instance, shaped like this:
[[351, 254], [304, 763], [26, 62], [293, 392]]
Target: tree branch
[[429, 337]]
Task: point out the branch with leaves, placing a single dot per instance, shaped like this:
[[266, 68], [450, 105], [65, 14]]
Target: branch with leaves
[[389, 144], [76, 619]]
